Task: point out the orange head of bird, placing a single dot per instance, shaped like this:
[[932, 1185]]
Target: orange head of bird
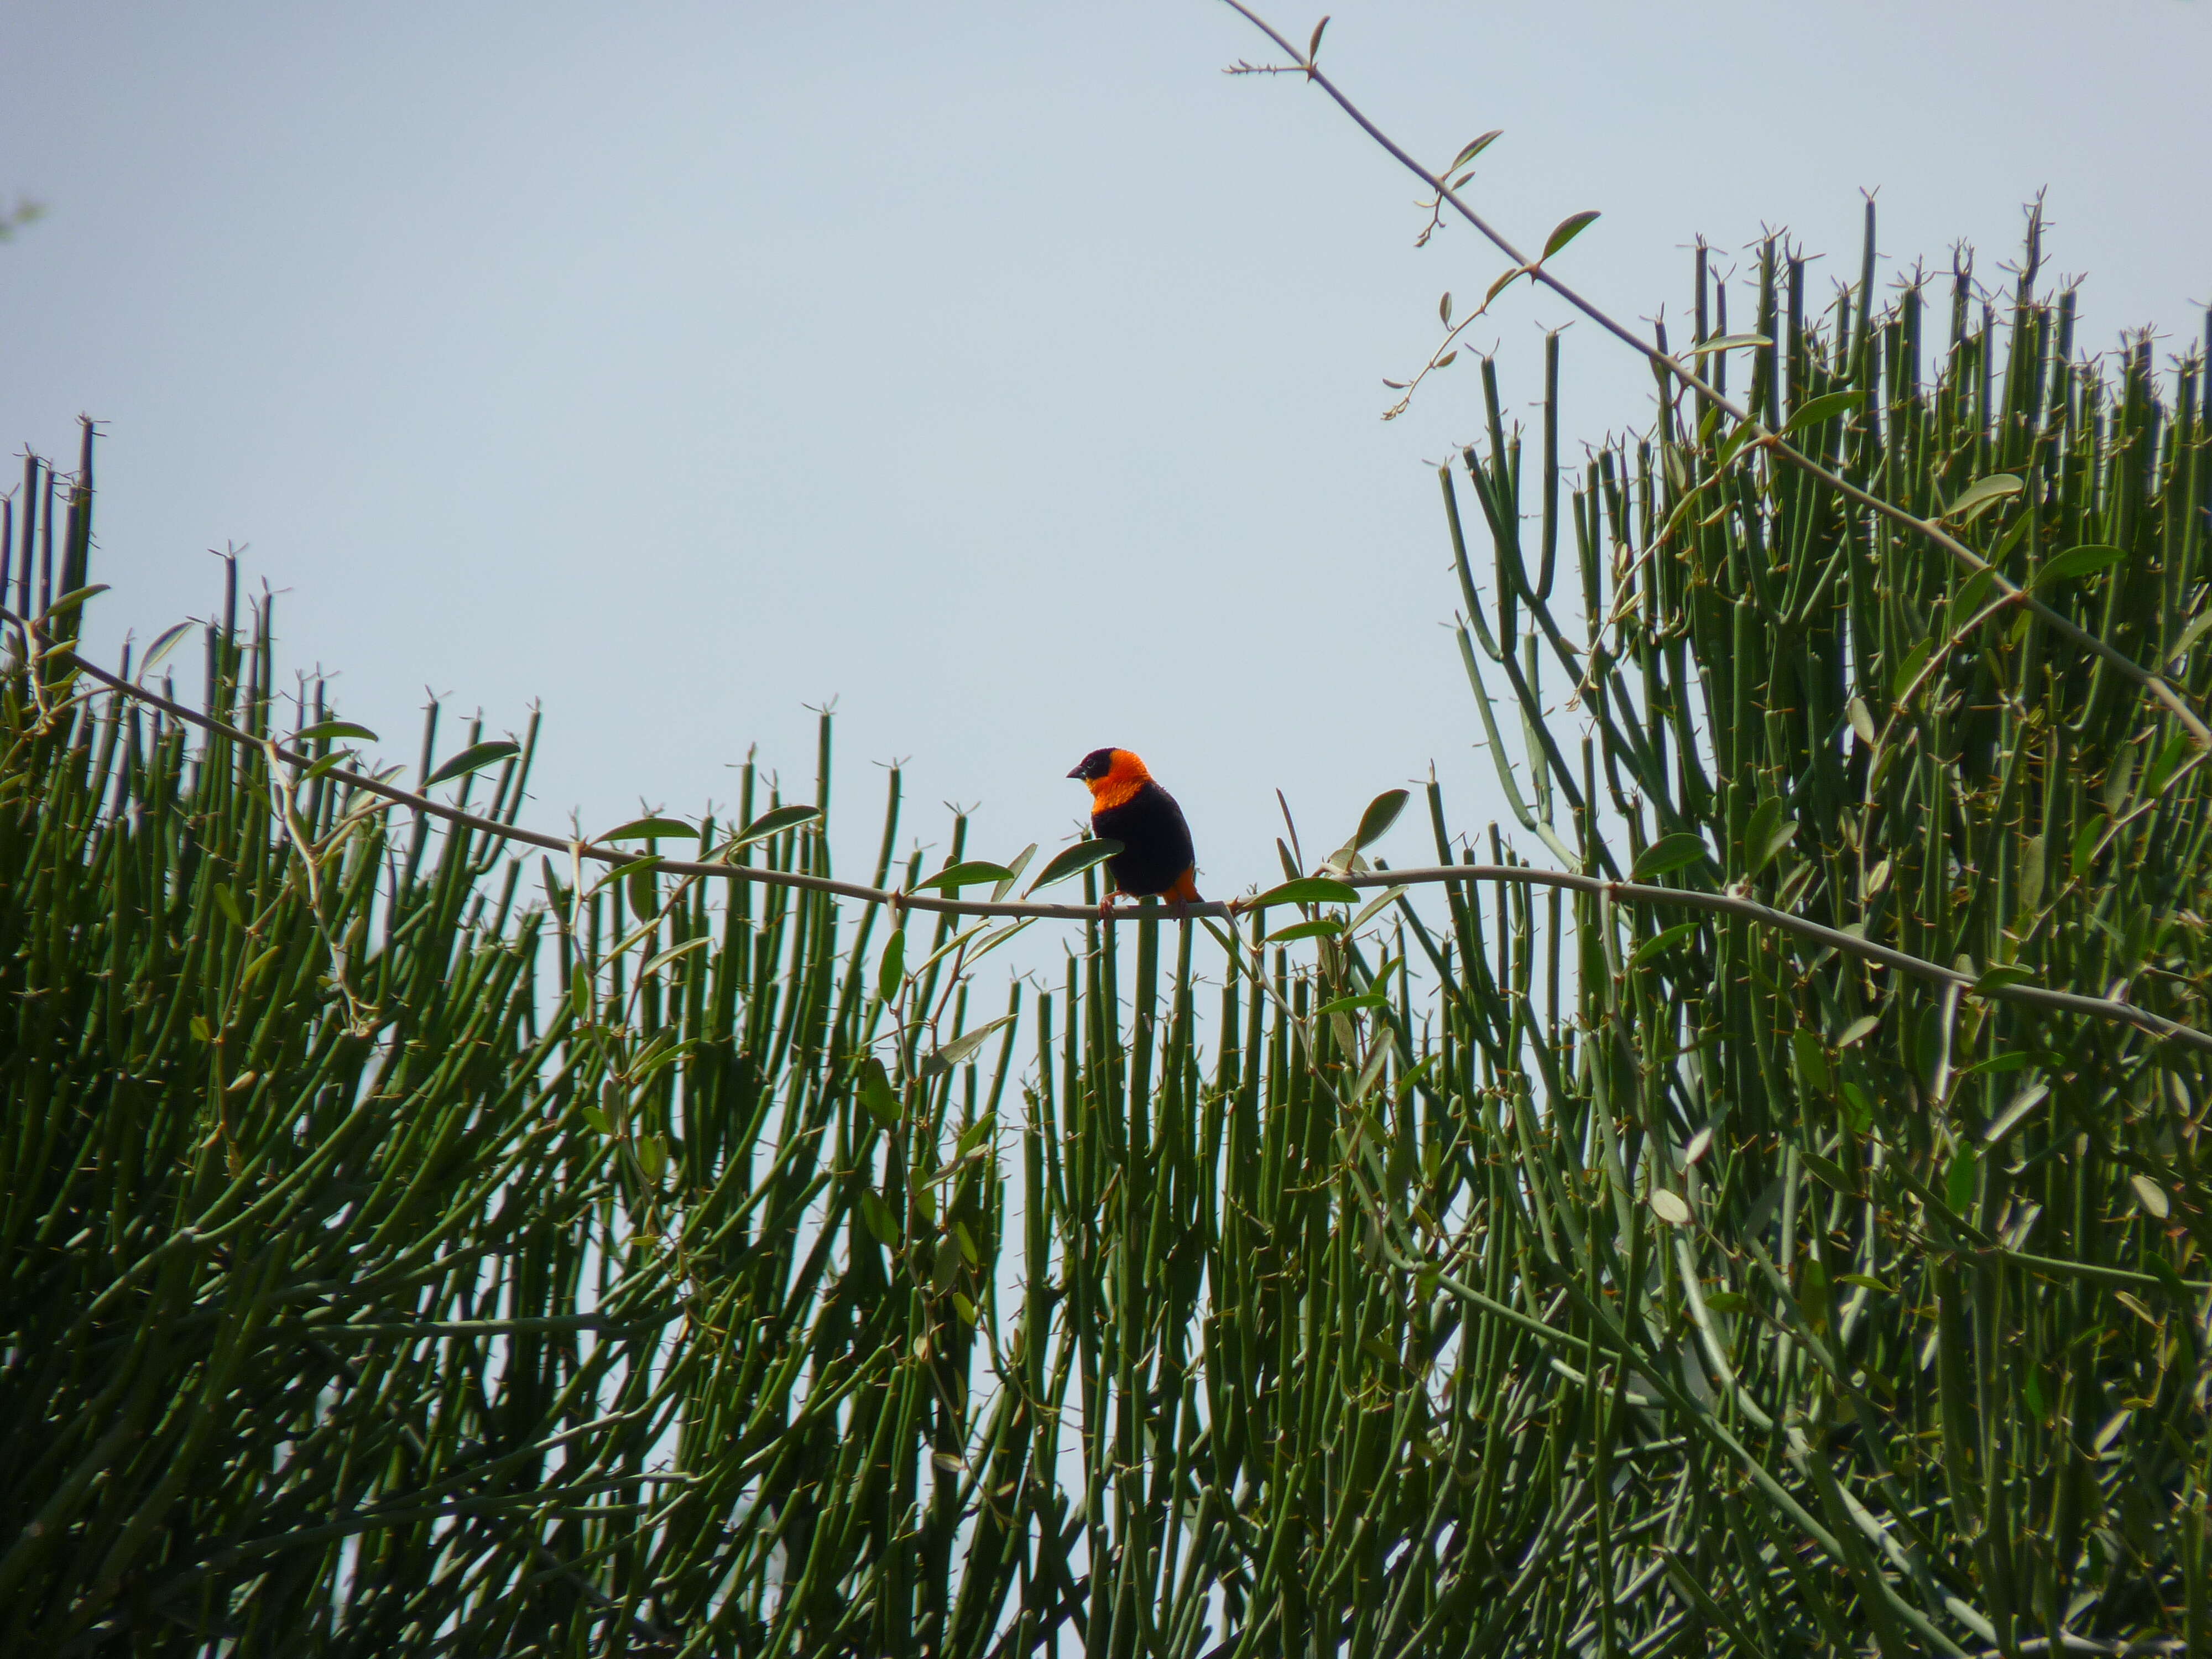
[[1114, 776]]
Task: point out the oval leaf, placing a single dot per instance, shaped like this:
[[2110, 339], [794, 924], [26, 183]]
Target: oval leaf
[[1670, 853], [1382, 901], [1826, 407], [1728, 342], [877, 1095], [773, 822], [70, 600], [649, 830], [1997, 978], [1014, 872], [1307, 889], [975, 872], [322, 729], [1375, 823], [1074, 860], [1659, 942], [891, 967], [1326, 928], [1977, 497], [164, 642], [1769, 832], [2150, 1197], [675, 952], [1474, 147], [476, 756], [2079, 561], [1567, 229], [953, 1052], [1352, 1004], [1670, 1207]]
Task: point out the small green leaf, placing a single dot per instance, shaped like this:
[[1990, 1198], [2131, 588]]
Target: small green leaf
[[773, 822], [1659, 942], [2078, 561], [1474, 147], [1021, 862], [1812, 1057], [973, 873], [2020, 1106], [2163, 770], [1381, 901], [597, 1119], [877, 1093], [164, 642], [1731, 446], [1996, 979], [675, 951], [2085, 845], [1959, 1181], [1865, 1282], [966, 1310], [1074, 860], [1826, 407], [1669, 1206], [946, 1272], [227, 901], [1726, 1302], [1313, 50], [1567, 229], [2150, 1197], [1352, 1004], [476, 756], [201, 1030], [640, 888], [967, 1243], [1829, 1171], [2031, 874], [650, 829], [1977, 497], [1967, 602], [1670, 853], [1728, 342], [70, 600], [1909, 670], [1770, 830], [1443, 309], [651, 1155], [323, 729], [1861, 1109], [1858, 1030], [877, 1215], [1862, 721], [962, 1047], [1308, 889], [890, 967], [1327, 928], [1503, 282], [1375, 823]]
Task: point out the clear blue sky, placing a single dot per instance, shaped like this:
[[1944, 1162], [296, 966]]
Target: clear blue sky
[[1004, 372]]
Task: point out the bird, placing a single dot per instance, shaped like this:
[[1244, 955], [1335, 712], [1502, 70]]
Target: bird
[[1127, 805]]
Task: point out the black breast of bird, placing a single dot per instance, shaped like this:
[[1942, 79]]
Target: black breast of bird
[[1128, 807]]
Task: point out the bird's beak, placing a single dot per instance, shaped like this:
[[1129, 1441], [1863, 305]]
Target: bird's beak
[[1077, 773]]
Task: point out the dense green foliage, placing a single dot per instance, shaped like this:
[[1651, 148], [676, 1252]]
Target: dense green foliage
[[407, 1247]]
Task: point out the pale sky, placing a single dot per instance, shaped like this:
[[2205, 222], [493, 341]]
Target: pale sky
[[1004, 372]]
